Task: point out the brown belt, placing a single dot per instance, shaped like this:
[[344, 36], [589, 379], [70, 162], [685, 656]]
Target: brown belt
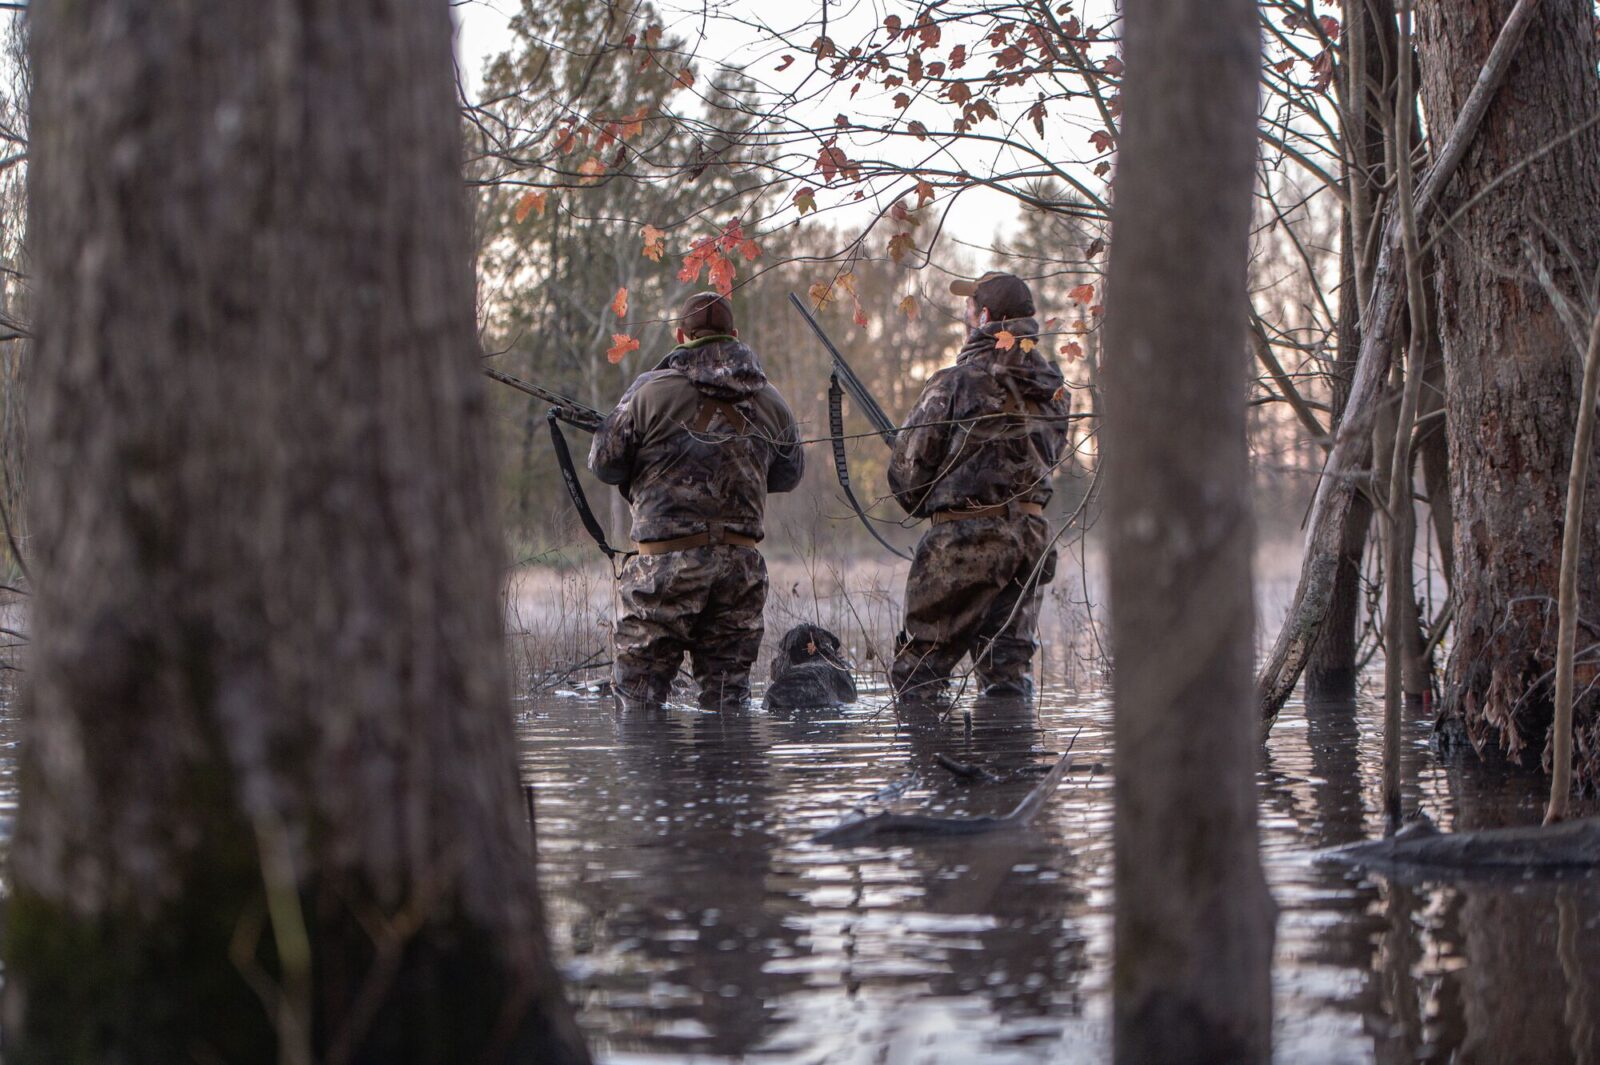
[[1001, 511], [699, 539]]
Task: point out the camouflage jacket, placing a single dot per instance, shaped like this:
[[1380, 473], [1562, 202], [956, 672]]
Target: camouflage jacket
[[700, 439], [986, 431]]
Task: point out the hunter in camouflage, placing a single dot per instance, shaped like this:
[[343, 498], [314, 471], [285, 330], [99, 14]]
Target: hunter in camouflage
[[976, 457], [695, 445]]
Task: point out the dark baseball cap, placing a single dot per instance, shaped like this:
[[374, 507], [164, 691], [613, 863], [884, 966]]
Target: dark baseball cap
[[1002, 295], [706, 314]]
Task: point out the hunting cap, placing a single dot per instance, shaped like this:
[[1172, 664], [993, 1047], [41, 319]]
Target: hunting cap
[[706, 314], [1002, 295]]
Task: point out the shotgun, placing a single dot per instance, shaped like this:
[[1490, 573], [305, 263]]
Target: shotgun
[[848, 379], [575, 414]]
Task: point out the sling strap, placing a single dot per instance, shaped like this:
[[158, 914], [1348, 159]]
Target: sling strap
[[841, 465], [569, 475]]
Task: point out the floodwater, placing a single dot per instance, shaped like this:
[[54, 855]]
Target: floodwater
[[698, 923]]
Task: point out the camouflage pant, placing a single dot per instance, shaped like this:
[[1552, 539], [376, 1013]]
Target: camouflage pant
[[707, 601], [967, 579]]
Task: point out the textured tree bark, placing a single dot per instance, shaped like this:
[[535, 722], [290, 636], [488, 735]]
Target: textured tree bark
[[1512, 373], [270, 809], [1366, 83], [1352, 446], [1193, 917]]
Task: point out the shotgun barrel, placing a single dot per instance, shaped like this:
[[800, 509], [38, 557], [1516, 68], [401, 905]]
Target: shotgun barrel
[[575, 414], [848, 379]]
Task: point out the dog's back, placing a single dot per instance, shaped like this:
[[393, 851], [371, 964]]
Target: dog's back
[[809, 670]]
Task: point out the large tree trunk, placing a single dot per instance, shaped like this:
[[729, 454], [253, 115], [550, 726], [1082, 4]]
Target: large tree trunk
[[1512, 370], [1366, 90], [269, 807], [1193, 918]]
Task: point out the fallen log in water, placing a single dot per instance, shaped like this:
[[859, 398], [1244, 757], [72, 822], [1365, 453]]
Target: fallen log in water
[[1567, 845], [901, 826]]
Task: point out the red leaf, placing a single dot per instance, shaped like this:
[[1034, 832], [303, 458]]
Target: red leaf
[[892, 24], [619, 303], [530, 201], [721, 275], [902, 100], [788, 61], [685, 78], [918, 130], [653, 243], [1072, 351], [900, 244], [621, 344], [958, 57], [958, 92], [924, 192], [1112, 66], [1102, 140], [860, 317], [750, 250], [1081, 293]]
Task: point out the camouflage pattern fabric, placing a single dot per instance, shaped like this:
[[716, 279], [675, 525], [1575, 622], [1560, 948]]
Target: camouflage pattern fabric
[[685, 464], [986, 431], [706, 601], [972, 590], [695, 445]]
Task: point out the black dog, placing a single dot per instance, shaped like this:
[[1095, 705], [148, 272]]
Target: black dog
[[808, 671]]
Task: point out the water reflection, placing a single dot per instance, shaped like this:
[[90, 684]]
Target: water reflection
[[698, 922]]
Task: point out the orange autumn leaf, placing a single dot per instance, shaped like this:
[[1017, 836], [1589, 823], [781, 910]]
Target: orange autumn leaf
[[619, 303], [654, 242], [530, 201], [1072, 351], [621, 344], [1028, 344], [806, 200], [685, 78], [860, 317], [721, 274], [591, 170], [1005, 340], [1081, 294], [750, 250], [908, 307]]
